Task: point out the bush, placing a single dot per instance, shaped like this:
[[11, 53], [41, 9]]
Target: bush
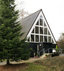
[[55, 54]]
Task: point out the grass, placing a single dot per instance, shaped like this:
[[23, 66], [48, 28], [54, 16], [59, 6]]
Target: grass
[[48, 64], [54, 63], [34, 67]]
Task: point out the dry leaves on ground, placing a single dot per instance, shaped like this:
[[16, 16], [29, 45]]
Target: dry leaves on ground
[[13, 67]]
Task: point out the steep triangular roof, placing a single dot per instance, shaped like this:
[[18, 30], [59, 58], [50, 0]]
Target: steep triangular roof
[[29, 22]]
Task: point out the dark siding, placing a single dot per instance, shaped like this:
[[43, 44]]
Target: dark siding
[[34, 48], [44, 45]]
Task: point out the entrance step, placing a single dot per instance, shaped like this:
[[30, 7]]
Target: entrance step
[[48, 55]]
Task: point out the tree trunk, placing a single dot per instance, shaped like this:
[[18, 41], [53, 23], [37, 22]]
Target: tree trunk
[[8, 63]]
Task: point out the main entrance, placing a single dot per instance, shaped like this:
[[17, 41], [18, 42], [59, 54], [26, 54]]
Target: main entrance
[[45, 47]]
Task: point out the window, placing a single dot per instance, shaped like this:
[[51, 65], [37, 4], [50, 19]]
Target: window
[[44, 24], [37, 38], [45, 31], [41, 38], [33, 31], [32, 38], [49, 38], [45, 38], [36, 29], [37, 23], [48, 33], [41, 30], [41, 22]]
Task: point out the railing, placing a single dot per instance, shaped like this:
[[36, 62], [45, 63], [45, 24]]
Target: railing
[[44, 51], [61, 51]]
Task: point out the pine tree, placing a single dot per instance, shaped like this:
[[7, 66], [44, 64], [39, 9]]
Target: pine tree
[[11, 46]]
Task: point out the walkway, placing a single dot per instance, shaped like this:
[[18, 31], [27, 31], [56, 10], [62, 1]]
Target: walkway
[[23, 61]]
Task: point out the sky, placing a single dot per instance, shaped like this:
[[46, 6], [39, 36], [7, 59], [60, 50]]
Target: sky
[[53, 11]]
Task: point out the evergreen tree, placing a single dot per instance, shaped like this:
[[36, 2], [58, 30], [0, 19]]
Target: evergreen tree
[[11, 46]]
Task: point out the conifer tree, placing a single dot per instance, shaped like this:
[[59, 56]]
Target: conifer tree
[[11, 45]]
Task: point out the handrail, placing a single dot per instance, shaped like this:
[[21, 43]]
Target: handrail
[[45, 50], [48, 50]]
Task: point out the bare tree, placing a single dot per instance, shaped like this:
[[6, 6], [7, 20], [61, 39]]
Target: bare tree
[[23, 13], [60, 42]]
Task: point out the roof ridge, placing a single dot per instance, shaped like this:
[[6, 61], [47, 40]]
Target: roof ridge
[[31, 14]]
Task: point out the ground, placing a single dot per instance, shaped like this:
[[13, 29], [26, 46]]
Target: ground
[[14, 67]]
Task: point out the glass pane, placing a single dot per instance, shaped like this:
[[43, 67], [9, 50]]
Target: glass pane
[[33, 31], [45, 38], [32, 38], [48, 33], [41, 38], [37, 23], [45, 30], [41, 30], [37, 38], [41, 22], [44, 24], [36, 29], [49, 39]]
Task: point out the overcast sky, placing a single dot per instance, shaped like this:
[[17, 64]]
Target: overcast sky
[[53, 10]]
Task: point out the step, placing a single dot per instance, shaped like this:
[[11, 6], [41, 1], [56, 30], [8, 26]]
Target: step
[[48, 55]]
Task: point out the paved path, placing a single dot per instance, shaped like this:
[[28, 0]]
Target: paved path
[[23, 61], [2, 63], [61, 55]]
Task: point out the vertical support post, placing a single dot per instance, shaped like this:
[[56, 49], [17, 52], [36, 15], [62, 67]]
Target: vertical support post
[[39, 30], [37, 49], [48, 50], [39, 54], [43, 51], [61, 51]]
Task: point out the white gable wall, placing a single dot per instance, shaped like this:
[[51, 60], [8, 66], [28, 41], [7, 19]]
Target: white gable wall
[[40, 16]]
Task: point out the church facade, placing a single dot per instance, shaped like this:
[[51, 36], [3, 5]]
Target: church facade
[[38, 33]]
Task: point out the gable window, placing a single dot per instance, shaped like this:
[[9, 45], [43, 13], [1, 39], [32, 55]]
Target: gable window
[[41, 30], [37, 23], [48, 33], [33, 31], [49, 38], [32, 38], [44, 24], [45, 38], [36, 29], [37, 38], [45, 31], [41, 38], [41, 22]]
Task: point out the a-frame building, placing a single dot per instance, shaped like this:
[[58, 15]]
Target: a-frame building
[[38, 32]]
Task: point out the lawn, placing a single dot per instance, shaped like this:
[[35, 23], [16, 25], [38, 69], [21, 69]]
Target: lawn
[[47, 64]]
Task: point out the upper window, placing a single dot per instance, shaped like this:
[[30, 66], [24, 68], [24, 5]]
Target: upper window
[[41, 22], [44, 24], [41, 16], [36, 29], [37, 23]]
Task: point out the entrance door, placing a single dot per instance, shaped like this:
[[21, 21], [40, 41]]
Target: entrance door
[[39, 48]]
